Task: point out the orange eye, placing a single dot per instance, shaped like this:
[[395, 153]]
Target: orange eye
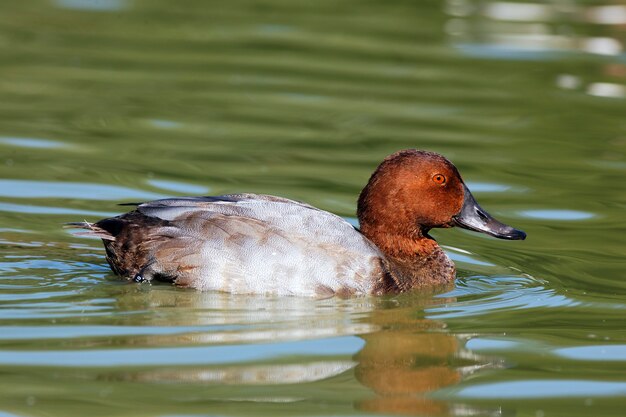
[[439, 179]]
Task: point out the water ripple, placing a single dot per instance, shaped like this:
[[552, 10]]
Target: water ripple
[[206, 355], [83, 191], [32, 143], [479, 295], [33, 209], [551, 388], [594, 353], [557, 214], [179, 187], [93, 5]]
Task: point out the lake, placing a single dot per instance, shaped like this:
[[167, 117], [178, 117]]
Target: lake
[[113, 101]]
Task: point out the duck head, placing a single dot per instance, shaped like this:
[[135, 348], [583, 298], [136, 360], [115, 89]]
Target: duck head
[[414, 191]]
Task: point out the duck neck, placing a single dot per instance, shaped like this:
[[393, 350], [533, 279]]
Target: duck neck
[[411, 261]]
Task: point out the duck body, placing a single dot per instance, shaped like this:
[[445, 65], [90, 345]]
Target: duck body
[[261, 244], [243, 243]]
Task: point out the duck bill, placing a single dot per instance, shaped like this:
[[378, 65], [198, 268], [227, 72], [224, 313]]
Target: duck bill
[[473, 217]]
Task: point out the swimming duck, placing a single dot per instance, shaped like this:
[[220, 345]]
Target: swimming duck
[[262, 244]]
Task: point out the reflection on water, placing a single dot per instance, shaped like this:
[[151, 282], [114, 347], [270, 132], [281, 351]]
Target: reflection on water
[[411, 358], [32, 142], [540, 31], [288, 347], [563, 388], [48, 189], [179, 187], [113, 101], [539, 27], [557, 214], [93, 5]]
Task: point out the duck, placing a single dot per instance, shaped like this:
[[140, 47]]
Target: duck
[[262, 244]]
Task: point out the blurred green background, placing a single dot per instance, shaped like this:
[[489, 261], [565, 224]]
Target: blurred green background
[[109, 101]]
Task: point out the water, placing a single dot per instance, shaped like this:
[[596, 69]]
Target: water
[[105, 102]]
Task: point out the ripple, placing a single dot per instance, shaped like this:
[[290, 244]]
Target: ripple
[[609, 90], [31, 263], [249, 375], [603, 353], [481, 343], [508, 52], [11, 230], [30, 209], [463, 256], [207, 355], [544, 389], [495, 294], [84, 191], [164, 124], [179, 187], [48, 311], [32, 142], [594, 353], [93, 5], [35, 295], [66, 332], [486, 187], [306, 98], [564, 215], [275, 28]]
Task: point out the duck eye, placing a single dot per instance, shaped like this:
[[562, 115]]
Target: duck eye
[[439, 179]]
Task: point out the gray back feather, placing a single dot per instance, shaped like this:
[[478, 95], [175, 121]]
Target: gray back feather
[[250, 243]]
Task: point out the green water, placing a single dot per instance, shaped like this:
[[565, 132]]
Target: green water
[[109, 101]]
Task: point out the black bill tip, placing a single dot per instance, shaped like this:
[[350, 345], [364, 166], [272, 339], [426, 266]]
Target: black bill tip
[[473, 217]]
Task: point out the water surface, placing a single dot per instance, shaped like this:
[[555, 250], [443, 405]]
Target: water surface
[[105, 102]]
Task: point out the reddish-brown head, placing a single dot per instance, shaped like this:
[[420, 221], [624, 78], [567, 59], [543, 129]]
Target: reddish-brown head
[[413, 191]]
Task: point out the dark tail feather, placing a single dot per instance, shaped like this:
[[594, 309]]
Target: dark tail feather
[[93, 230]]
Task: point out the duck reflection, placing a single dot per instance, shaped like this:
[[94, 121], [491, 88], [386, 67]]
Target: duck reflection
[[397, 355], [408, 358]]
